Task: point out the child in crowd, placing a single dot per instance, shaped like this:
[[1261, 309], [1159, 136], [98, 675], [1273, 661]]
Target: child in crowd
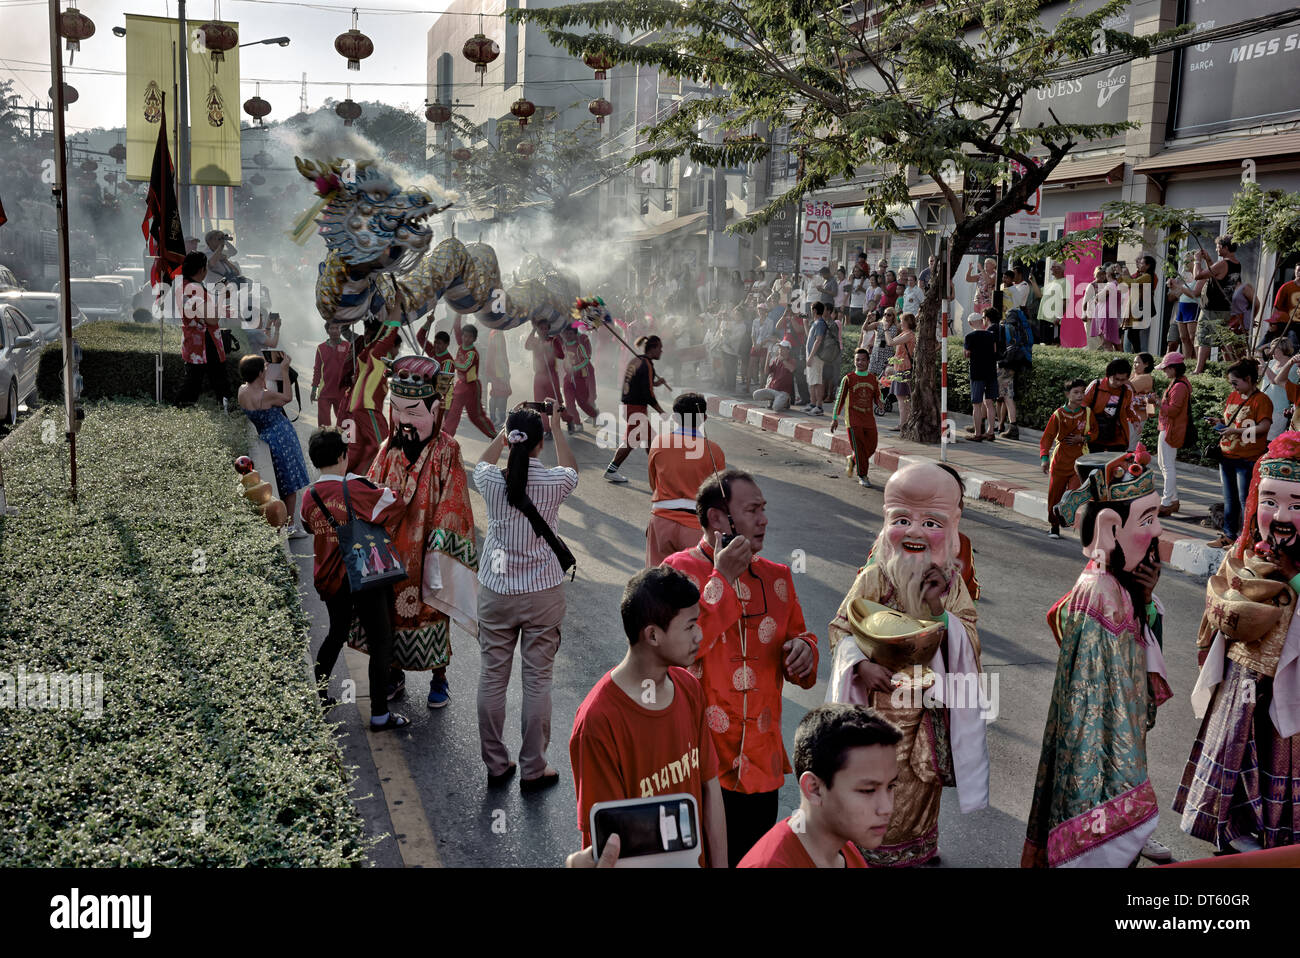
[[1069, 430]]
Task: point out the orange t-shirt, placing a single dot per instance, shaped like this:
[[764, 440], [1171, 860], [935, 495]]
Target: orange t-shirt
[[621, 749], [679, 464], [1257, 409], [781, 848]]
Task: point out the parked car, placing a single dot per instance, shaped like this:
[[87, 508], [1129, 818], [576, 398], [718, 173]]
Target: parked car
[[20, 355], [99, 299], [43, 311], [136, 274]]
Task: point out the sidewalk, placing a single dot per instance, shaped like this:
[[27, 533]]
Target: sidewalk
[[1005, 473]]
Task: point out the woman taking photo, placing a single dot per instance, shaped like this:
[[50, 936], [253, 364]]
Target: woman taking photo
[[1175, 420], [1243, 438], [521, 590], [985, 282], [1144, 396], [265, 410]]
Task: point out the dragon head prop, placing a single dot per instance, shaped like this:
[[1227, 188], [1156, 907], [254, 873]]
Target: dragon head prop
[[363, 215], [591, 312]]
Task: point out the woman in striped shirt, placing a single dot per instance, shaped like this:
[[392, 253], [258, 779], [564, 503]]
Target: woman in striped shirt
[[521, 590]]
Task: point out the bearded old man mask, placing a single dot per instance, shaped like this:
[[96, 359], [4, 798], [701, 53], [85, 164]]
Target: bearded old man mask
[[417, 396], [922, 510]]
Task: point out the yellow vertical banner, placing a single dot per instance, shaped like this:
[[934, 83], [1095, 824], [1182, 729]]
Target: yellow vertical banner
[[214, 111], [150, 75]]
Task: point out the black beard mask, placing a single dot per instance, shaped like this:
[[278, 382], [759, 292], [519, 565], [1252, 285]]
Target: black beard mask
[[407, 440], [1282, 536], [1115, 563]]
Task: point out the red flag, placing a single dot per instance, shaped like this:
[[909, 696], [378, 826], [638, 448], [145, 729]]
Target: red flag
[[162, 220]]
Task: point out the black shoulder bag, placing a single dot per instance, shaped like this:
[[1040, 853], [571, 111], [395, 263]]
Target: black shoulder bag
[[367, 552]]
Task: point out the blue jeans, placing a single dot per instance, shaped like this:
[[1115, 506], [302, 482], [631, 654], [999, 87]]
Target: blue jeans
[[1235, 476]]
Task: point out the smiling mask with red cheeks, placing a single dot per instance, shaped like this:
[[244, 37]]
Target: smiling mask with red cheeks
[[922, 509]]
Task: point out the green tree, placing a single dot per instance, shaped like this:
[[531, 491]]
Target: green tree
[[558, 176], [934, 86]]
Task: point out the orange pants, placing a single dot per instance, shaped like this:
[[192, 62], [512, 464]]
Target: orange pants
[[1057, 487], [864, 441], [663, 537]]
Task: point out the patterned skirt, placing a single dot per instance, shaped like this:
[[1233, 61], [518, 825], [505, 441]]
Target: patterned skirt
[[1242, 778]]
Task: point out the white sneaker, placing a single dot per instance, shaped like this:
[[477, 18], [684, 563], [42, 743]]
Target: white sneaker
[[1157, 851], [613, 475], [1246, 843], [864, 482]]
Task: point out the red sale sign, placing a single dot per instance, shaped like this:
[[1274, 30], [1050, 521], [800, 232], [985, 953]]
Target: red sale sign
[[815, 248]]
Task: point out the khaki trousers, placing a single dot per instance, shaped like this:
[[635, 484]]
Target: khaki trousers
[[531, 620]]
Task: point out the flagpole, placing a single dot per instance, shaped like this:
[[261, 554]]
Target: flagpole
[[183, 116], [60, 192]]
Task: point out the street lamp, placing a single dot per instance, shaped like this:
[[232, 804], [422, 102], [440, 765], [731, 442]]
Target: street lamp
[[281, 41]]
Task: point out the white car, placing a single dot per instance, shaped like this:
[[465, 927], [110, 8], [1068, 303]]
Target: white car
[[43, 311], [100, 298], [20, 356]]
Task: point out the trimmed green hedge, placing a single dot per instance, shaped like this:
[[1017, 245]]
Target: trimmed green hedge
[[119, 359], [1040, 390], [211, 748]]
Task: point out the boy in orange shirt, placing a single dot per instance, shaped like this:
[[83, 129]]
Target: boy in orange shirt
[[679, 464], [857, 397], [1069, 430], [846, 759]]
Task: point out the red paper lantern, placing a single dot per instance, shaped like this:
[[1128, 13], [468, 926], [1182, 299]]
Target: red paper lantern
[[523, 109], [437, 114], [70, 95], [263, 159], [257, 108], [117, 151], [354, 45], [481, 51], [598, 62], [600, 108], [257, 179], [461, 154], [75, 26], [218, 38], [525, 148], [89, 166], [348, 110]]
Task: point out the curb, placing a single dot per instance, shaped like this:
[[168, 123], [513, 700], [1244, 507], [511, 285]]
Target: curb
[[1193, 556]]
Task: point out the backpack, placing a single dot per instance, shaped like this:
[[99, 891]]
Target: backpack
[[830, 348], [1108, 425], [1020, 338]]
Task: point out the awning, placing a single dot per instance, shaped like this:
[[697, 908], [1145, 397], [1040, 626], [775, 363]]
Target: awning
[[1229, 153], [1108, 167], [663, 229]]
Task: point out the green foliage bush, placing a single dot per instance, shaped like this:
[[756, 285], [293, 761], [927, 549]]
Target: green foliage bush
[[211, 749], [1040, 390], [119, 360]]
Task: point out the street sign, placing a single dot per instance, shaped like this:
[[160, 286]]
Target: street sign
[[781, 233], [815, 250]]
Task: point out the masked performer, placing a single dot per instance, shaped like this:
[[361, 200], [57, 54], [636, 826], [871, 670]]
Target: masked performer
[[367, 386], [1094, 805], [435, 535], [546, 381], [496, 370], [913, 655], [1241, 788]]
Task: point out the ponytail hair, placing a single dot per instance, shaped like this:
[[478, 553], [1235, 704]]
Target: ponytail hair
[[527, 422], [645, 343]]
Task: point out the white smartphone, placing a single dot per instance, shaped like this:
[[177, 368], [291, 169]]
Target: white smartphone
[[658, 832]]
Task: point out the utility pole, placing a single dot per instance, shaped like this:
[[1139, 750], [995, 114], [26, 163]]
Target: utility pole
[[60, 192]]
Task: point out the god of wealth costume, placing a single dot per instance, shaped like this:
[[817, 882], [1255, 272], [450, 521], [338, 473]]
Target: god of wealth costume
[[435, 535], [936, 700], [1241, 788], [1093, 803]]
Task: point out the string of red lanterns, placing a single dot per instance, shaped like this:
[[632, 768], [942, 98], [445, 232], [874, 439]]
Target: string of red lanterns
[[354, 44]]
